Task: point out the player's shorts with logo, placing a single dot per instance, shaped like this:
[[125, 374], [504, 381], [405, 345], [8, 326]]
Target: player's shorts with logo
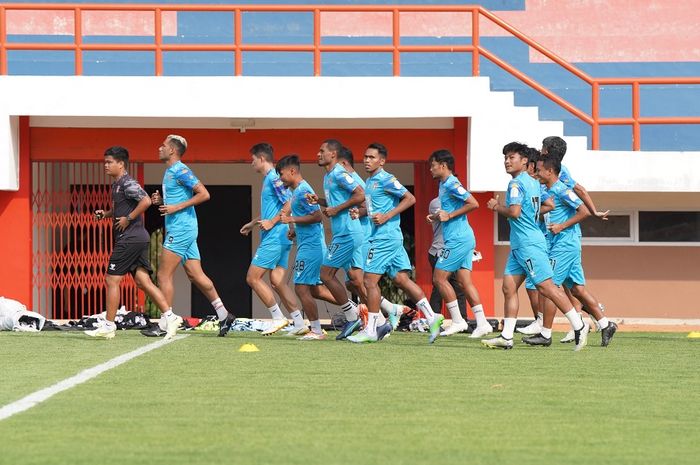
[[272, 253], [307, 265], [456, 255], [387, 256], [345, 252], [531, 261], [127, 257], [567, 268], [183, 244]]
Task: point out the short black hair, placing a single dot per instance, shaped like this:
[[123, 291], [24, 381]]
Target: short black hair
[[551, 163], [263, 150], [346, 154], [287, 161], [556, 146], [443, 156], [119, 153], [516, 147], [334, 145], [533, 155], [379, 148]]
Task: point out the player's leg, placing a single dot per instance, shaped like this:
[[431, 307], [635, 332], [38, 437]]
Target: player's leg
[[513, 278], [170, 320], [339, 255], [369, 333], [534, 297], [196, 275], [435, 298], [308, 304], [278, 280], [167, 264], [119, 264]]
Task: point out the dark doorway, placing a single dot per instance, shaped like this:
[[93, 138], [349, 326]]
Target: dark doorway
[[225, 252]]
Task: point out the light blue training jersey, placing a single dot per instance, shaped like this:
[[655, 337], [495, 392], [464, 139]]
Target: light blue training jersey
[[338, 186], [523, 190], [566, 202], [178, 182], [452, 197], [364, 220], [308, 235], [382, 194], [568, 181], [273, 196], [543, 220]]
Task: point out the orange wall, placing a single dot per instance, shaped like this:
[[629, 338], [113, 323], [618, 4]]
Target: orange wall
[[16, 227]]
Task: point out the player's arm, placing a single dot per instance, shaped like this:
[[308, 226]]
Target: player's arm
[[123, 222], [200, 195], [581, 214], [248, 227], [470, 205], [101, 214], [311, 218], [407, 201], [546, 207], [266, 225], [357, 197], [512, 211], [588, 202]]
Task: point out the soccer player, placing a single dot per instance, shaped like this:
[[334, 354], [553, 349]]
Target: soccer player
[[182, 191], [556, 147], [391, 310], [131, 241], [565, 248], [386, 198], [305, 221], [345, 251], [456, 256], [528, 254], [272, 254]]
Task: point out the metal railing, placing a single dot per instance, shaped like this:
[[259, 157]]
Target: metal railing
[[237, 47]]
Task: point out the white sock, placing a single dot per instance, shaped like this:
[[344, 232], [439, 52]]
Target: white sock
[[350, 310], [298, 318], [424, 306], [372, 323], [387, 306], [508, 328], [221, 311], [479, 315], [453, 308], [381, 320], [574, 319], [110, 324], [275, 312], [168, 314], [546, 332], [316, 326], [603, 322], [540, 317]]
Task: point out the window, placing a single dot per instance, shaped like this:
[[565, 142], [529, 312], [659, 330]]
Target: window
[[669, 226], [618, 227]]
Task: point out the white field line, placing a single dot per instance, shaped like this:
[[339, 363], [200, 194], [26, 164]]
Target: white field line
[[40, 396]]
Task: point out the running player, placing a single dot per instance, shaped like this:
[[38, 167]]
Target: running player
[[386, 199], [305, 222], [528, 254], [565, 247], [131, 242], [182, 191], [456, 256], [272, 254]]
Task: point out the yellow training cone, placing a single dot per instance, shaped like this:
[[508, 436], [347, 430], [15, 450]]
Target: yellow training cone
[[694, 334], [248, 348]]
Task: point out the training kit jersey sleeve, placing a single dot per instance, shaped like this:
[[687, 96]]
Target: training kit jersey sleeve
[[126, 194], [364, 220], [383, 194], [178, 185], [565, 177], [566, 202], [452, 197], [307, 234]]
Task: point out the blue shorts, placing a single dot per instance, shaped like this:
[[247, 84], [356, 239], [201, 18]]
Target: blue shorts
[[344, 252], [387, 256], [529, 261], [271, 254], [567, 268], [307, 266], [529, 285], [358, 258], [456, 255], [183, 244]]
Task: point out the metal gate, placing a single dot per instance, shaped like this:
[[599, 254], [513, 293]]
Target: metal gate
[[71, 248]]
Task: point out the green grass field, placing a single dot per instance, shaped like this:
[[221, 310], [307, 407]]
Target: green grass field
[[200, 401]]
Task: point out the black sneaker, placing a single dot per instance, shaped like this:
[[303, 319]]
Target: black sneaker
[[153, 332], [225, 326], [538, 340], [607, 333]]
